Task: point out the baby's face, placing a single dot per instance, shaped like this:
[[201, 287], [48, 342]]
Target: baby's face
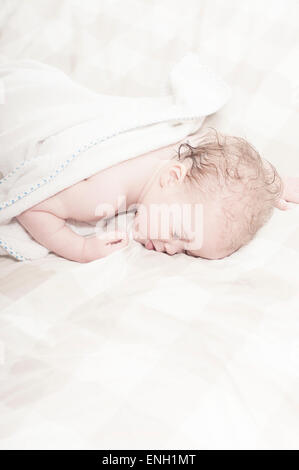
[[171, 218]]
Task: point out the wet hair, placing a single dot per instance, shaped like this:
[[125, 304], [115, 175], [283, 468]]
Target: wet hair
[[230, 169]]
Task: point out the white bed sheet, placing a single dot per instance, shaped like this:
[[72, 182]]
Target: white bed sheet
[[140, 349]]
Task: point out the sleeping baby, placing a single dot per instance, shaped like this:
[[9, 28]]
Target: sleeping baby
[[205, 200]]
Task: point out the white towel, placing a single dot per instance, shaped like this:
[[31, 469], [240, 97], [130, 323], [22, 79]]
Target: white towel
[[55, 132]]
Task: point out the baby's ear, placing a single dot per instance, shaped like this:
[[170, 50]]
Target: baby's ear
[[173, 174]]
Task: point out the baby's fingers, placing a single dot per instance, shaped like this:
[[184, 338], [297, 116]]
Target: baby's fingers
[[114, 241], [291, 189], [283, 205]]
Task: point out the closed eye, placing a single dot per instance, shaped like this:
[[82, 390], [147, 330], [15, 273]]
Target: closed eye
[[178, 237]]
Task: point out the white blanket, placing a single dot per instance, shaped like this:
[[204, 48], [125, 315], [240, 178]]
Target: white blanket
[[55, 132]]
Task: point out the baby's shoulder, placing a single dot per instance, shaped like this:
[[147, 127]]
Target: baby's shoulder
[[57, 202], [53, 204], [76, 201]]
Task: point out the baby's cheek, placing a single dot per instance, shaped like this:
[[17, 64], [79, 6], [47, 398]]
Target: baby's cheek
[[137, 229], [148, 226]]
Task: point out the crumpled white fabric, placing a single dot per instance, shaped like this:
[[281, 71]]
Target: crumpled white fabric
[[55, 132]]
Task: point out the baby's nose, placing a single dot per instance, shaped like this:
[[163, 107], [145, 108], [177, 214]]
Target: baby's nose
[[171, 250], [158, 245]]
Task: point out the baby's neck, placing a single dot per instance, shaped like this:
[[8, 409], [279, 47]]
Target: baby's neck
[[136, 172]]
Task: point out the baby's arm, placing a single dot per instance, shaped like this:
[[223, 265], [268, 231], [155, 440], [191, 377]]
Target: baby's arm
[[52, 232]]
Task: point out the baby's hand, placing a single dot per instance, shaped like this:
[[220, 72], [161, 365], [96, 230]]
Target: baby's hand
[[103, 245], [290, 193]]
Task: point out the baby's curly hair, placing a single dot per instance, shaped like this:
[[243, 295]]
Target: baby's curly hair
[[250, 186]]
